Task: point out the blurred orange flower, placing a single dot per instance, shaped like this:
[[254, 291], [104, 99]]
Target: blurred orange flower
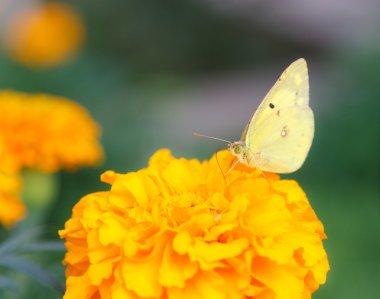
[[48, 133], [11, 207], [44, 36], [178, 230]]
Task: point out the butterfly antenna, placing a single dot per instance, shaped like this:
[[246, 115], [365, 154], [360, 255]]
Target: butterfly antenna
[[220, 168], [210, 137]]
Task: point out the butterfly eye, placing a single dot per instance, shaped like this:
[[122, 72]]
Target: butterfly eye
[[237, 150], [271, 105]]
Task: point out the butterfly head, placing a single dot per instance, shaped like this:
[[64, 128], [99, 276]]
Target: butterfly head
[[237, 148]]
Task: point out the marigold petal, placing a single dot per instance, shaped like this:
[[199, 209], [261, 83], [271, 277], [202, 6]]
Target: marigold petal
[[141, 276], [12, 209], [208, 255], [109, 177], [99, 272], [180, 176], [137, 186], [161, 158], [120, 292], [204, 285], [112, 230], [282, 280], [175, 269], [79, 287]]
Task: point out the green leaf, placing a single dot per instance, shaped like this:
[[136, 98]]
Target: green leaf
[[6, 283], [43, 246], [18, 239], [34, 271]]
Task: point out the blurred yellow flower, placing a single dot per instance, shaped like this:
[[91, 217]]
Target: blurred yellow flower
[[48, 133], [11, 207], [44, 36], [178, 230]]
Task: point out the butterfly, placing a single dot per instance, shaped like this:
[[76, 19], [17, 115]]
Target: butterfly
[[280, 133]]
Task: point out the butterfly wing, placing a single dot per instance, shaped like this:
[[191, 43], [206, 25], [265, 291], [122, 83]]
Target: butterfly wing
[[279, 136]]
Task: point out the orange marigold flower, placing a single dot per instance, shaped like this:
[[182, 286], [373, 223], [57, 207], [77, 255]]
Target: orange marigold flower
[[12, 209], [44, 35], [47, 132], [177, 229]]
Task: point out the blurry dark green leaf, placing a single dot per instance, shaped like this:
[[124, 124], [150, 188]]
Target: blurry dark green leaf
[[26, 242], [43, 246], [18, 239], [6, 283], [32, 270]]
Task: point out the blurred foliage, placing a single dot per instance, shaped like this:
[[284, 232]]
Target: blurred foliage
[[341, 179], [140, 52], [20, 257], [180, 37]]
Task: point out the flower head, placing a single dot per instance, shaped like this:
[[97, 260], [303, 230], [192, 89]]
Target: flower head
[[177, 229], [11, 207], [44, 36], [47, 132]]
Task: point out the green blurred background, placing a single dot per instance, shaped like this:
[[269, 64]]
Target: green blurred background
[[153, 72]]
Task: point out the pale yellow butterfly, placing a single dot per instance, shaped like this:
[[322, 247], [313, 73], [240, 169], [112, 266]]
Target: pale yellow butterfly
[[280, 132]]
